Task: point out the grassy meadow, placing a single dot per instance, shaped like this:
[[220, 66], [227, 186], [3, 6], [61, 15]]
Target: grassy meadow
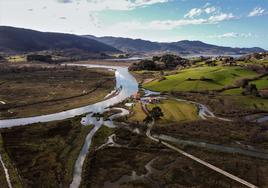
[[200, 79], [249, 102], [176, 111], [206, 78]]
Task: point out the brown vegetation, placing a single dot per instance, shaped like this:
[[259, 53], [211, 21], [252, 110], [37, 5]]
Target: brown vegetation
[[219, 132], [44, 153], [27, 88]]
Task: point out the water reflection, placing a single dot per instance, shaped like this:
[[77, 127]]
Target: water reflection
[[124, 80]]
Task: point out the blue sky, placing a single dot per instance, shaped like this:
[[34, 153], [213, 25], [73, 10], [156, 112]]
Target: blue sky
[[237, 23]]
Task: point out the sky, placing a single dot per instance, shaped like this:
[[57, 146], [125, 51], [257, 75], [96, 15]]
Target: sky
[[236, 23]]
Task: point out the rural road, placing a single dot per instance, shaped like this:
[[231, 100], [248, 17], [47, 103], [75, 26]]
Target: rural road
[[210, 166], [6, 172]]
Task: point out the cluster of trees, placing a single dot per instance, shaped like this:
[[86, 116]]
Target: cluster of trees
[[121, 56], [144, 65], [257, 68], [249, 89], [210, 62], [37, 57], [2, 59], [156, 113], [226, 60], [158, 63], [254, 56]]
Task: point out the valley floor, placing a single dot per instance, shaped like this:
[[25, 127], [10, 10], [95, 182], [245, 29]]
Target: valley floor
[[30, 90], [133, 153]]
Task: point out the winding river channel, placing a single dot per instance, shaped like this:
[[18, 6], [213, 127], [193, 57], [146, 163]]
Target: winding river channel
[[124, 81], [126, 84]]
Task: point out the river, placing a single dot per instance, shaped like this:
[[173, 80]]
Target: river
[[124, 80], [125, 83]]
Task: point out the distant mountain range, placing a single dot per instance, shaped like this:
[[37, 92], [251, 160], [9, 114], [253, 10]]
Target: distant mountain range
[[24, 40], [18, 40], [181, 47]]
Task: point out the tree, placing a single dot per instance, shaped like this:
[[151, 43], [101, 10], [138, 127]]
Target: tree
[[250, 89], [253, 90], [156, 58], [148, 119], [156, 113], [37, 57], [244, 83]]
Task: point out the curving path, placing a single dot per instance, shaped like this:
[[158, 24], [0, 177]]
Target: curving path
[[126, 85], [225, 149], [6, 172], [89, 120], [203, 113]]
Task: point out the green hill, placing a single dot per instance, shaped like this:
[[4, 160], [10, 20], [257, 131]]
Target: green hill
[[200, 79]]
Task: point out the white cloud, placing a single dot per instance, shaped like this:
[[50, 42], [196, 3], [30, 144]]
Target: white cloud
[[221, 17], [99, 5], [193, 13], [198, 11], [156, 25], [257, 11], [170, 24], [232, 35], [147, 2], [210, 10], [80, 17]]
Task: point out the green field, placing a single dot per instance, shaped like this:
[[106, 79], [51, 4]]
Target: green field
[[137, 114], [176, 111], [201, 78], [260, 83], [237, 91]]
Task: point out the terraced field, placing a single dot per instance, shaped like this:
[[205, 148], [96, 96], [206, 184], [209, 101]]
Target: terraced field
[[200, 78]]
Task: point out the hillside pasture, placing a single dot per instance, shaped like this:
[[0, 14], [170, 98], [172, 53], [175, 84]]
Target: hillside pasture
[[201, 79]]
